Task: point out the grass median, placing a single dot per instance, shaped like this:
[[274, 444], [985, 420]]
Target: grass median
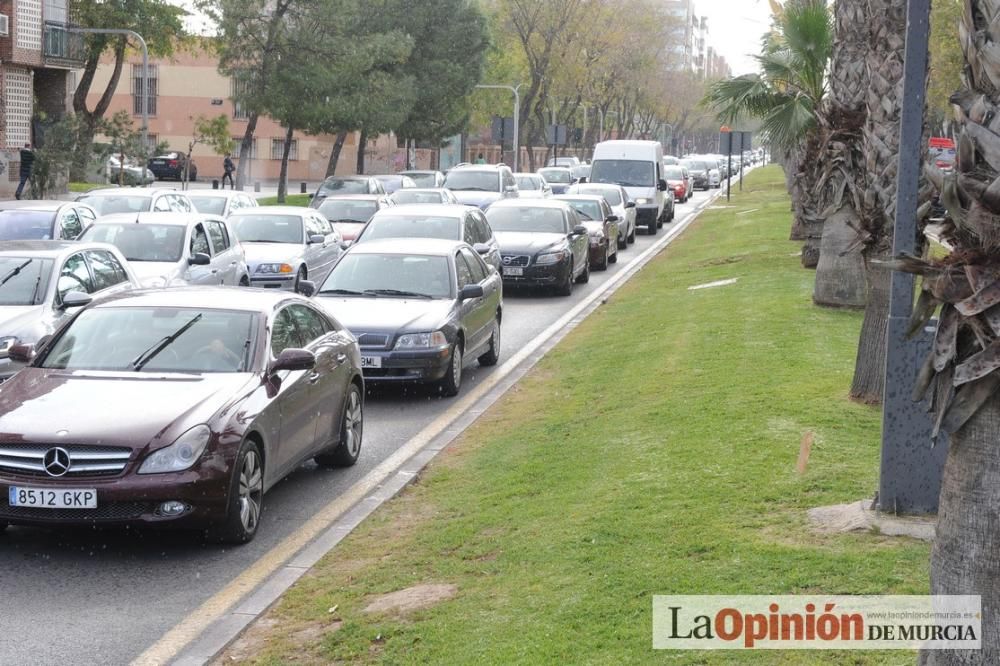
[[290, 200], [652, 452]]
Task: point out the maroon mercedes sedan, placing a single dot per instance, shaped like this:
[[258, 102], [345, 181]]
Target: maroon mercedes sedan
[[176, 407]]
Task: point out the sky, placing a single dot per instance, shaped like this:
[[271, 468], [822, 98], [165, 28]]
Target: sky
[[734, 28]]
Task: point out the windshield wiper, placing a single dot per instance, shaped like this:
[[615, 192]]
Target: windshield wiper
[[396, 292], [145, 357], [473, 189], [15, 272], [346, 292], [347, 221]]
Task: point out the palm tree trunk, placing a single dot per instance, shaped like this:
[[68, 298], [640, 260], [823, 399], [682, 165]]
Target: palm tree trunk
[[869, 367], [840, 274]]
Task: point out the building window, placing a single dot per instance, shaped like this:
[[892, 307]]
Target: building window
[[238, 141], [278, 147], [239, 86], [137, 86], [28, 24], [18, 90]]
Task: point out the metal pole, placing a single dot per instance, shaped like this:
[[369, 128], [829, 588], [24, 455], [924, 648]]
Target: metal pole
[[145, 69], [729, 178], [517, 117], [910, 469], [600, 133], [742, 135]]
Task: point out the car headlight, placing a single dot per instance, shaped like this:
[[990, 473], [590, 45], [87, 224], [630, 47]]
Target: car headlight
[[6, 343], [180, 455], [421, 341], [550, 258], [274, 268], [640, 202]]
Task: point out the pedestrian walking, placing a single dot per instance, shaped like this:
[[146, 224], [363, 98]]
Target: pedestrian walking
[[228, 167], [480, 159], [27, 164]]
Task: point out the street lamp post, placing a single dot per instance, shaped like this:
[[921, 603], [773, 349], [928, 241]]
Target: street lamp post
[[517, 116], [145, 69]]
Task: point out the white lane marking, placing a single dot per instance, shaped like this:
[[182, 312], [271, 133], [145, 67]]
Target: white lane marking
[[215, 607], [710, 285]]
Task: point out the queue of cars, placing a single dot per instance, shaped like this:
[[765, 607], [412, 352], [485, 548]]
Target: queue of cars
[[137, 298]]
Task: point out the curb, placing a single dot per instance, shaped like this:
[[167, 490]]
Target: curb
[[223, 631]]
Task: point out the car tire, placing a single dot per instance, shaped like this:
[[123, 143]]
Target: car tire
[[631, 236], [622, 242], [566, 288], [352, 429], [613, 259], [451, 383], [585, 275], [603, 264], [299, 277], [492, 355], [244, 281], [652, 227], [246, 495]]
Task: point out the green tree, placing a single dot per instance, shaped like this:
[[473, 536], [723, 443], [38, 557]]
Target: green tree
[[212, 132], [159, 23], [127, 143], [53, 157]]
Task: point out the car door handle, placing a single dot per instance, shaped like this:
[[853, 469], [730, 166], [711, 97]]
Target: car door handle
[[341, 358], [313, 377]]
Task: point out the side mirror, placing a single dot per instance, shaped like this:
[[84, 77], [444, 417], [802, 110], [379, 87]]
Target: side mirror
[[661, 185], [312, 195], [345, 244], [293, 359], [199, 259], [317, 239], [21, 353], [579, 230], [471, 291], [481, 248], [76, 299], [612, 218], [307, 288], [630, 204]]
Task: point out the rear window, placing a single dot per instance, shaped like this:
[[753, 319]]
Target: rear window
[[413, 226], [26, 225], [106, 204], [209, 205]]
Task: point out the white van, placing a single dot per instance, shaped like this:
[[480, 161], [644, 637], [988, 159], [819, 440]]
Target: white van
[[636, 166]]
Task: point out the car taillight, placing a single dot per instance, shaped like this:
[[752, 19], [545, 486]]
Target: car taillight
[[174, 163]]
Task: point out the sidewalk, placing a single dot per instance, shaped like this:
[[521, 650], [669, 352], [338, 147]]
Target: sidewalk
[[652, 452]]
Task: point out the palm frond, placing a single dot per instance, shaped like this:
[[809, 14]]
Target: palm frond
[[789, 120], [808, 30], [747, 95]]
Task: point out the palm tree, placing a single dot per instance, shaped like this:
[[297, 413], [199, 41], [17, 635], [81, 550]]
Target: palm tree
[[786, 97], [961, 375]]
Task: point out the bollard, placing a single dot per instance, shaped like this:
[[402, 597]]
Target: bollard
[[302, 188], [256, 186], [215, 184]]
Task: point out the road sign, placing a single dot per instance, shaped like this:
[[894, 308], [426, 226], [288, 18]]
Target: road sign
[[555, 135], [502, 130]]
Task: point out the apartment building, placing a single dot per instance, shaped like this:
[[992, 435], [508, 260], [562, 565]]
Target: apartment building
[[689, 41], [37, 54]]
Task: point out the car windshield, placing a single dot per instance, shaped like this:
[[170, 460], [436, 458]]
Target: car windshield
[[141, 242], [343, 186], [106, 204], [529, 183], [423, 179], [587, 208], [627, 173], [561, 176], [526, 218], [392, 275], [26, 224], [612, 196], [413, 226], [673, 173], [470, 179], [209, 205], [347, 210], [23, 280], [692, 165], [156, 339], [250, 228], [412, 196]]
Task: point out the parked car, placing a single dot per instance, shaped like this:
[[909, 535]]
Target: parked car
[[395, 181], [349, 213], [419, 308], [131, 174], [638, 167], [674, 175], [107, 201], [542, 243], [565, 161], [185, 407], [448, 222], [170, 166], [171, 249], [43, 283], [581, 173], [670, 160], [558, 178], [425, 195], [481, 184], [532, 186], [602, 227], [336, 185], [220, 202], [427, 178], [617, 198], [44, 220], [286, 245]]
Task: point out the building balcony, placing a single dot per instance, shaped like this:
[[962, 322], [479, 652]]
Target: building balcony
[[60, 47]]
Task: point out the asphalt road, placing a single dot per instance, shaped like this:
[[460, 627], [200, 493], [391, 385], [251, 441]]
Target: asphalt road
[[102, 597]]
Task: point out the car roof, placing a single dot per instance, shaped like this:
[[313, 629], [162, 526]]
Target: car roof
[[555, 167], [274, 210], [441, 210], [34, 204], [347, 197], [597, 186], [429, 246], [419, 171], [45, 249], [436, 190], [142, 191], [479, 167], [164, 217], [522, 174], [579, 197], [228, 194], [220, 298], [355, 177], [529, 203]]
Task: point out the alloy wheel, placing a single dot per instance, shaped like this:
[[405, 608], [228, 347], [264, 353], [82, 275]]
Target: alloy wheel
[[251, 491], [456, 365], [353, 424]]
